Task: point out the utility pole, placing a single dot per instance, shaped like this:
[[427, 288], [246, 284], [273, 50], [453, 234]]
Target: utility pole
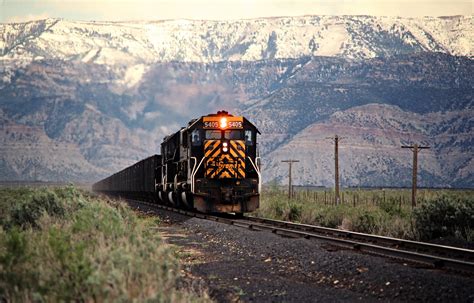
[[290, 187], [414, 148], [336, 139]]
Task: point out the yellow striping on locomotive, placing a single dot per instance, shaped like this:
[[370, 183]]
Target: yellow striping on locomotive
[[224, 163]]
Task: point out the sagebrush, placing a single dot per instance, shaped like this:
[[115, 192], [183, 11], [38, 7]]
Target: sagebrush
[[439, 214], [63, 245]]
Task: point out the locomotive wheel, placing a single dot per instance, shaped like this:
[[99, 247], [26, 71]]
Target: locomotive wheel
[[173, 198], [163, 197], [186, 199], [160, 196]]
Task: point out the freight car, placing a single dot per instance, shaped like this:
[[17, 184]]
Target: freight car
[[212, 165]]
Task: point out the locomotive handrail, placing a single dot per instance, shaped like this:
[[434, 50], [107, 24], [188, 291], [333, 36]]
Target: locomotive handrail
[[164, 178], [258, 173], [193, 173]]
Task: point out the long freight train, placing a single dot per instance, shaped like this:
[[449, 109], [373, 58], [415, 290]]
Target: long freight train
[[212, 165]]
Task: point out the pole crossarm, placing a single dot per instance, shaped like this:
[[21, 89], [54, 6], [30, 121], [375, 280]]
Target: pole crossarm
[[419, 147]]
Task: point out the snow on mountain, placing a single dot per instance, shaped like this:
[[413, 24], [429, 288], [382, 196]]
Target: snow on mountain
[[130, 43]]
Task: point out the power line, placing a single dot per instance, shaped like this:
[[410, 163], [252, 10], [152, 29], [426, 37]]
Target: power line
[[414, 148], [290, 188]]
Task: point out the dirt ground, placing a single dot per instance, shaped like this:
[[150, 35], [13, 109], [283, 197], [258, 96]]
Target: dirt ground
[[234, 264]]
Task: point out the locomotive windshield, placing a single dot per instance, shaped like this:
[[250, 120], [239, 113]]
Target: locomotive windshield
[[228, 134], [233, 134], [213, 134]]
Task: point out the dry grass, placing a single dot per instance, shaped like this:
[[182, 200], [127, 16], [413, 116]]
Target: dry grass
[[382, 212], [63, 245]]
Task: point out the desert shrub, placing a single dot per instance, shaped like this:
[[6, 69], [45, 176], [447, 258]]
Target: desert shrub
[[27, 213], [391, 207], [445, 216], [443, 213], [331, 216], [370, 220], [294, 211], [73, 247], [397, 227], [273, 205], [386, 218], [24, 206], [366, 222]]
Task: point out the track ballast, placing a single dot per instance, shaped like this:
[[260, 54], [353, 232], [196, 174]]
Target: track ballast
[[431, 255]]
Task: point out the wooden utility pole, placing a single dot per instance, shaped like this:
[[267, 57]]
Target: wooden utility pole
[[336, 139], [414, 148], [290, 187]]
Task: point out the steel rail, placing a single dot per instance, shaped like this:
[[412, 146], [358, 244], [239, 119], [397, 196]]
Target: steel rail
[[440, 250], [397, 248]]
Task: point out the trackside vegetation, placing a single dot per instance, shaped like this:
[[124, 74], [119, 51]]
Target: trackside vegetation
[[62, 244], [438, 215]]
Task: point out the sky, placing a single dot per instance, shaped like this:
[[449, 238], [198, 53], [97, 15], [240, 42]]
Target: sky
[[115, 10]]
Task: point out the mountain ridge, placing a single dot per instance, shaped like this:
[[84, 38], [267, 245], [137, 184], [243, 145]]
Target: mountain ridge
[[357, 37], [102, 94]]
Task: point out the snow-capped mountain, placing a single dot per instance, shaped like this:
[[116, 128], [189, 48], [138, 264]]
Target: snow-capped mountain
[[125, 43], [80, 100]]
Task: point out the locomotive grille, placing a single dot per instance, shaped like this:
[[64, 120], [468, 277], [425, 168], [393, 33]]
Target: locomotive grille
[[219, 164]]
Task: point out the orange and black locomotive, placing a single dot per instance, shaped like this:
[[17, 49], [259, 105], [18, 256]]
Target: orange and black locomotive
[[212, 165]]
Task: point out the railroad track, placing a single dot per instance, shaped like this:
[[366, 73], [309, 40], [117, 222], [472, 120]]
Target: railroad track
[[431, 255]]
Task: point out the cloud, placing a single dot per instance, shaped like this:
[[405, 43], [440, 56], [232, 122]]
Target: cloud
[[190, 99]]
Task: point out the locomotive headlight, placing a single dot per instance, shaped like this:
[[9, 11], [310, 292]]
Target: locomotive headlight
[[224, 144], [225, 149], [223, 123]]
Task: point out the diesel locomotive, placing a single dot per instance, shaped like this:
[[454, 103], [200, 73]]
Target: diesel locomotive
[[212, 165]]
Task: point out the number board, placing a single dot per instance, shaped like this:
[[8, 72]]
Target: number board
[[215, 122]]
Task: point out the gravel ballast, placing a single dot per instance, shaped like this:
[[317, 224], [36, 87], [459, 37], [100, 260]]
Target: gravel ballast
[[234, 263]]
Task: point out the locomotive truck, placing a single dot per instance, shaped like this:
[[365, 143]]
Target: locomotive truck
[[212, 165]]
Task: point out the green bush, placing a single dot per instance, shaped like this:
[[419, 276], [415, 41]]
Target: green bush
[[62, 245], [391, 206], [445, 216], [331, 217], [28, 213], [366, 223], [294, 212]]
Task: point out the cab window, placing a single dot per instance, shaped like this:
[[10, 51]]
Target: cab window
[[248, 137], [196, 138], [213, 134], [233, 134]]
